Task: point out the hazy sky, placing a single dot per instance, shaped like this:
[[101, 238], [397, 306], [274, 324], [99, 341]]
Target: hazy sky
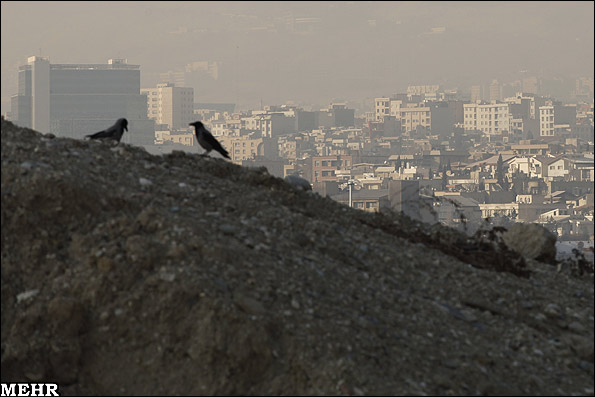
[[307, 52]]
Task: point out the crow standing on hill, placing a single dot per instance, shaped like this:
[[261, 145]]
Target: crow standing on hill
[[208, 141], [115, 132]]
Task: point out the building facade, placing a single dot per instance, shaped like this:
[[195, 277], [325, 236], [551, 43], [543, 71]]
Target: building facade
[[381, 108], [75, 100], [324, 168], [170, 105], [491, 119], [546, 121]]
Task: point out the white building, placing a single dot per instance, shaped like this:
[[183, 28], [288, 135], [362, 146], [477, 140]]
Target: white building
[[492, 119], [546, 120], [422, 89], [170, 105], [40, 87], [558, 168], [381, 108]]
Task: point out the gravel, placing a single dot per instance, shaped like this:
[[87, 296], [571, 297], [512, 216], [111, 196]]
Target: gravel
[[127, 273]]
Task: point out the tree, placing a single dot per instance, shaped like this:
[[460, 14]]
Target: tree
[[502, 181], [444, 180], [398, 163], [499, 171]]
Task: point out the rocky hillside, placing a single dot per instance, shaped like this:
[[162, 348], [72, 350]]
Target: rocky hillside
[[127, 273]]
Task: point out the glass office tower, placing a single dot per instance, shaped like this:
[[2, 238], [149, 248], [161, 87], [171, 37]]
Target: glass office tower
[[75, 100]]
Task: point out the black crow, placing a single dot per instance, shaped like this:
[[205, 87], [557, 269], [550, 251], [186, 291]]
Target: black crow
[[115, 132], [208, 141]]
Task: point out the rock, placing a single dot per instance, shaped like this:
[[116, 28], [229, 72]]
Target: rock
[[228, 229], [552, 310], [249, 305], [167, 276], [144, 182], [23, 296], [582, 346], [577, 327], [105, 264], [298, 182], [533, 241]]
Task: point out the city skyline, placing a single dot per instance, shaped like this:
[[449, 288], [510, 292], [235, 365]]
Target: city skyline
[[312, 52]]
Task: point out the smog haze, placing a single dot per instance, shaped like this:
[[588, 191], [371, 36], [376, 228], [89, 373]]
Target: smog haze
[[306, 52]]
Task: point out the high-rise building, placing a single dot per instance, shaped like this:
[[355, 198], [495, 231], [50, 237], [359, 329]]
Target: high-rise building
[[546, 120], [477, 93], [170, 105], [75, 100], [495, 91], [531, 85]]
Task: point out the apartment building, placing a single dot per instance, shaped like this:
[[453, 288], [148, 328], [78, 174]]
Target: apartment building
[[495, 91], [271, 124], [364, 199], [243, 147], [422, 89], [413, 117], [324, 167], [477, 93], [546, 121], [491, 119], [381, 108], [186, 139], [170, 105]]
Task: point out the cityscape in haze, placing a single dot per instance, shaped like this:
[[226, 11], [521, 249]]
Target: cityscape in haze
[[463, 113]]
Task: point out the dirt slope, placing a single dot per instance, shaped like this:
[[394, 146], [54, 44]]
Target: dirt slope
[[127, 273]]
